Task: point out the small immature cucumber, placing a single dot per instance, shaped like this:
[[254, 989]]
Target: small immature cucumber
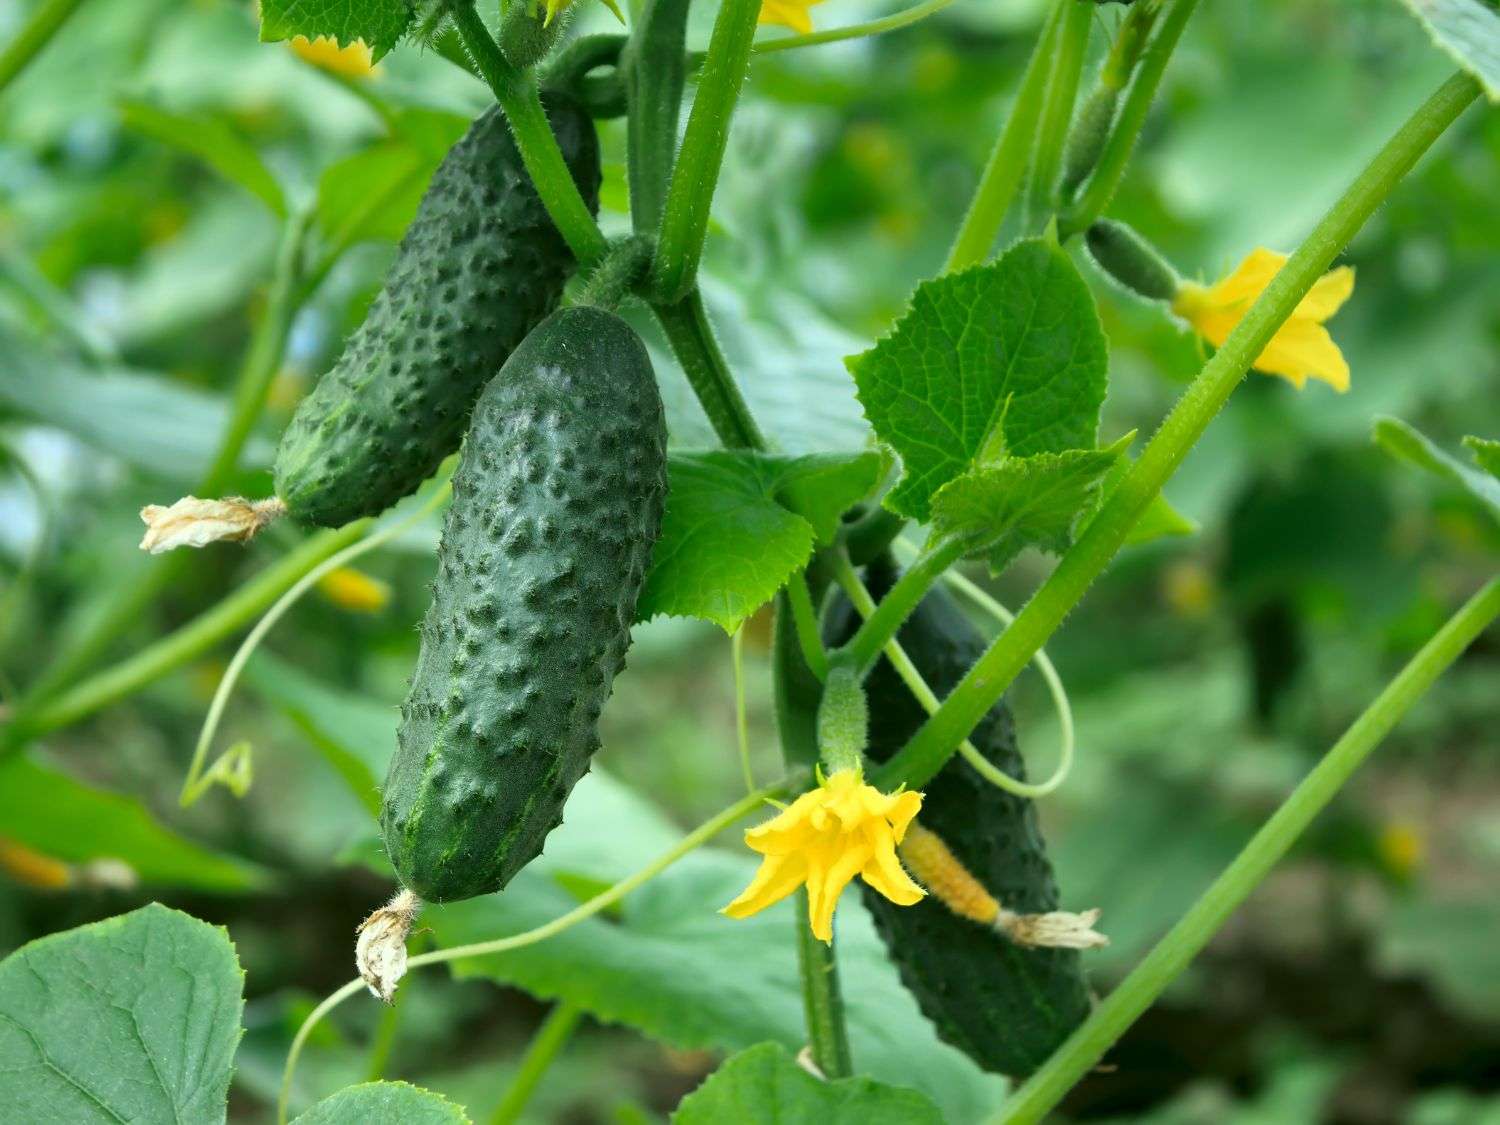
[[557, 503], [479, 267], [1005, 1006]]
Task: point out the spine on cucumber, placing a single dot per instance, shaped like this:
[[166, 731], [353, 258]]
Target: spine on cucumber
[[479, 267], [557, 503], [1005, 1006]]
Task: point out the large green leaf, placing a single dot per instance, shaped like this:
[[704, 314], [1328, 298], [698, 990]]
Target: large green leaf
[[1020, 502], [765, 1086], [134, 1018], [60, 817], [380, 23], [672, 967], [371, 1103], [738, 523], [212, 140], [1007, 358], [1469, 31], [1408, 444]]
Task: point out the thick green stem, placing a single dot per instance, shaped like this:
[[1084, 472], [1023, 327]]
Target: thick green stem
[[516, 91], [688, 331], [1183, 942], [1007, 163], [684, 222], [885, 622], [35, 35], [986, 682], [1110, 168], [187, 643], [549, 1040], [1057, 105], [822, 1000], [655, 71]]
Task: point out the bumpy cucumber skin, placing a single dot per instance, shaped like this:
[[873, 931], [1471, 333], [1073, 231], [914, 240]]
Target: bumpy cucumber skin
[[557, 503], [1004, 1006], [479, 267]]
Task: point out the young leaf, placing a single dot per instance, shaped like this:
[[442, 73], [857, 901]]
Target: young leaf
[[1469, 31], [738, 524], [384, 1101], [63, 818], [211, 140], [1160, 520], [1408, 444], [1486, 453], [1021, 502], [135, 1018], [1006, 358], [378, 22], [764, 1085]]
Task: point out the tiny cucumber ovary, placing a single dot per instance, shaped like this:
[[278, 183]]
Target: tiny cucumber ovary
[[557, 503], [1005, 1006], [479, 267]]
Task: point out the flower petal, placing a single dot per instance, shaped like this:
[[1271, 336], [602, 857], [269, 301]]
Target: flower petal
[[1250, 277], [1328, 293], [885, 873], [1302, 349], [777, 877], [827, 882]]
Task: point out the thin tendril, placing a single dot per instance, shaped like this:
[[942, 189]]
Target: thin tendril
[[741, 723], [233, 766], [893, 22]]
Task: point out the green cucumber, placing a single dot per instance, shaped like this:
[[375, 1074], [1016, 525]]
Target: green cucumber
[[557, 503], [1005, 1006], [479, 267]]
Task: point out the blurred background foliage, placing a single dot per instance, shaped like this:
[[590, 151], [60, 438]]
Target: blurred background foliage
[[1361, 983]]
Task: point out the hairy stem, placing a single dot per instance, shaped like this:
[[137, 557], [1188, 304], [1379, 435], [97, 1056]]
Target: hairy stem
[[805, 620], [1187, 938], [822, 999], [545, 1046], [691, 336], [1072, 43], [35, 34], [984, 684], [883, 624]]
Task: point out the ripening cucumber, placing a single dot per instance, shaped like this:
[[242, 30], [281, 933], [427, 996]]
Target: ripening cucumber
[[1005, 1006], [557, 502], [479, 267]]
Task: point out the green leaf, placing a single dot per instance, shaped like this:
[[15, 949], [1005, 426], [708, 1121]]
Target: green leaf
[[738, 523], [1010, 354], [135, 1018], [1486, 453], [380, 23], [211, 139], [765, 1086], [384, 1101], [1469, 31], [1160, 520], [1406, 443], [1021, 502], [673, 968], [63, 818]]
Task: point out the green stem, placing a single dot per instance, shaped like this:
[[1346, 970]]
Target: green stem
[[655, 70], [187, 643], [691, 336], [822, 999], [684, 222], [516, 91], [1007, 163], [1110, 168], [893, 22], [1183, 942], [883, 624], [741, 712], [984, 684], [384, 1040], [805, 619], [1057, 105], [549, 1040], [38, 31]]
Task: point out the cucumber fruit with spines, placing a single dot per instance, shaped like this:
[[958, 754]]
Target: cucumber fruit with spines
[[557, 503], [479, 267], [1006, 1006]]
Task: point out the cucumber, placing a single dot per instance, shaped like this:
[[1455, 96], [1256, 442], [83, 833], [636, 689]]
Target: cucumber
[[479, 267], [557, 502], [1005, 1006]]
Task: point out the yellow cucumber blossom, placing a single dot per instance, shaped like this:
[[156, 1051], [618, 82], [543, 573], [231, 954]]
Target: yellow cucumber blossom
[[825, 838], [355, 590], [1302, 349], [788, 13], [353, 61]]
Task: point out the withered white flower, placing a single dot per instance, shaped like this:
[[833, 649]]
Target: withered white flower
[[380, 952], [192, 522]]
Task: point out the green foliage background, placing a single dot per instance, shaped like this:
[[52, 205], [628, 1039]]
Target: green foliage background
[[1207, 673]]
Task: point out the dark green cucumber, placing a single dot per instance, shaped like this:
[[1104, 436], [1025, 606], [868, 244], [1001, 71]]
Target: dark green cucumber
[[479, 267], [557, 503], [1005, 1006]]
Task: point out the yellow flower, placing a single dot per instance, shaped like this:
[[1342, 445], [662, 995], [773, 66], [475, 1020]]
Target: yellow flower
[[354, 589], [1302, 349], [353, 61], [825, 838], [788, 13]]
